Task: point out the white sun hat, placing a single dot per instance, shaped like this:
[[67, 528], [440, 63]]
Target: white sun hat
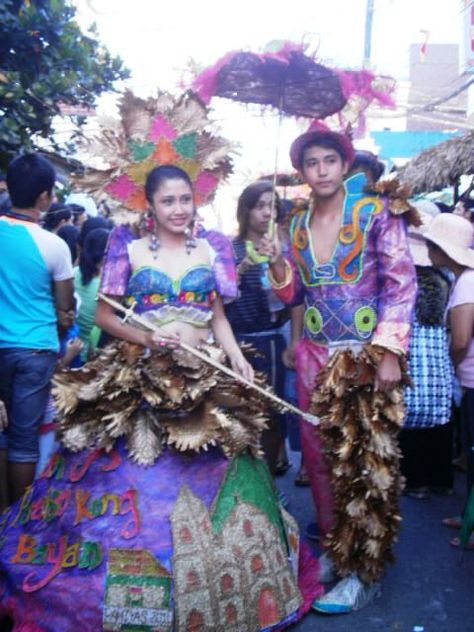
[[454, 235]]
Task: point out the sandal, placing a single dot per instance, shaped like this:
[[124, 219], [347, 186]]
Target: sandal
[[302, 479], [282, 467], [457, 543], [454, 522]]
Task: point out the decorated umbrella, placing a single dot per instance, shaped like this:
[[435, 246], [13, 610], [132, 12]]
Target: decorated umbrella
[[441, 165], [294, 82], [289, 79]]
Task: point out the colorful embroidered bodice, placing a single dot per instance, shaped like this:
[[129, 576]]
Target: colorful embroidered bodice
[[162, 299], [187, 298], [366, 290]]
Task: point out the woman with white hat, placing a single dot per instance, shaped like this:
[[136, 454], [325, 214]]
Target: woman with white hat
[[449, 240], [426, 437]]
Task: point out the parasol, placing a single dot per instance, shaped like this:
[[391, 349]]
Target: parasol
[[294, 82], [291, 81], [440, 166]]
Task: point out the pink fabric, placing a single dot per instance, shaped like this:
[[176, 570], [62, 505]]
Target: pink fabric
[[204, 85], [121, 187], [161, 128], [462, 294], [308, 571], [360, 85], [310, 359]]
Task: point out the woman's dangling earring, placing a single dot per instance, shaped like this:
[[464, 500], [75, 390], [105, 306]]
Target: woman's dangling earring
[[190, 241], [151, 229]]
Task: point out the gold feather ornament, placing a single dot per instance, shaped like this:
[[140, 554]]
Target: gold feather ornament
[[359, 428], [157, 399]]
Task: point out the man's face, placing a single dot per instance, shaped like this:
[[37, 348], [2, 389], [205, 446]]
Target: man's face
[[324, 170], [3, 186]]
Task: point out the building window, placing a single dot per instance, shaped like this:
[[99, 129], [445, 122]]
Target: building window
[[231, 614], [256, 564], [227, 583]]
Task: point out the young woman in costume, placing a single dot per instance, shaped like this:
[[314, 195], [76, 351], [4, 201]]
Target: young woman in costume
[[158, 512]]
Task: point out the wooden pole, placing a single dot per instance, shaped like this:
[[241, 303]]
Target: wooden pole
[[129, 314]]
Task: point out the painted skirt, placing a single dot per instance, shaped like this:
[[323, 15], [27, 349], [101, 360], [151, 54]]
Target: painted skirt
[[193, 542]]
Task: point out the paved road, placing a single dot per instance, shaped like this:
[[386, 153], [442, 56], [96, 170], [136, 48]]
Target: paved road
[[428, 586]]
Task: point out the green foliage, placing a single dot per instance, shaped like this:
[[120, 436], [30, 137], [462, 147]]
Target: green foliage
[[45, 61]]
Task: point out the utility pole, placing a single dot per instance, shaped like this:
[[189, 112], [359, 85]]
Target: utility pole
[[368, 33]]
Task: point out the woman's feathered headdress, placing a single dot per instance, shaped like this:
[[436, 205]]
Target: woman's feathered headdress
[[156, 131]]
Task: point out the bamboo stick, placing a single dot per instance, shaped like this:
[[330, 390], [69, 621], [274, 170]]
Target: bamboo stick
[[129, 314]]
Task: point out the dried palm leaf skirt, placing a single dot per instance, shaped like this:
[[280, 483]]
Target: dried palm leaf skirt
[[157, 513], [359, 428]]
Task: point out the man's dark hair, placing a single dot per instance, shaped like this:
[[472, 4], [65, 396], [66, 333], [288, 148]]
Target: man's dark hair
[[57, 213], [367, 161], [27, 177], [77, 210], [248, 200], [328, 142]]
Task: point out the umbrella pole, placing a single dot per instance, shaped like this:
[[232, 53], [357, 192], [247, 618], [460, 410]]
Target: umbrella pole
[[130, 314], [271, 227]]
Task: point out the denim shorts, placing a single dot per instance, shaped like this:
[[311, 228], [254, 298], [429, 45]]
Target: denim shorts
[[25, 383]]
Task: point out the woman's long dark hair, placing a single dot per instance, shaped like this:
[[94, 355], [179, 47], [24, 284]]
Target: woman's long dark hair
[[92, 254], [248, 200]]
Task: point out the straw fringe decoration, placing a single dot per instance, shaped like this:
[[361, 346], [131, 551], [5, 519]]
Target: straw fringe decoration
[[359, 428], [164, 398], [440, 166]]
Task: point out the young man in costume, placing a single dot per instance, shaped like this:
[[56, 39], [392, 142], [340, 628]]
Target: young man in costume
[[350, 264]]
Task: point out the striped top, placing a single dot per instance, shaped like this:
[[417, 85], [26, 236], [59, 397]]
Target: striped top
[[250, 312]]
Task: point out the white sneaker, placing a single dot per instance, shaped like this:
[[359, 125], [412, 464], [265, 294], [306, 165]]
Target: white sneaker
[[348, 595], [327, 570]]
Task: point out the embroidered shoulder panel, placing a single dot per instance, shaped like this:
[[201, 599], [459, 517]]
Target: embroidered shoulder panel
[[345, 265]]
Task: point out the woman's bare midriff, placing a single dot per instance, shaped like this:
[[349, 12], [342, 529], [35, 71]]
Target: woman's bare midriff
[[188, 333]]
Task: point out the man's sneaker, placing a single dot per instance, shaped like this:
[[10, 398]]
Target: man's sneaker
[[327, 570], [348, 595]]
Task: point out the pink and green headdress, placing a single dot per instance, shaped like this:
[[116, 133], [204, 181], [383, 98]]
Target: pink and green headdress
[[151, 132]]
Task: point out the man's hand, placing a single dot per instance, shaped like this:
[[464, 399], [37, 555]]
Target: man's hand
[[288, 357], [389, 373]]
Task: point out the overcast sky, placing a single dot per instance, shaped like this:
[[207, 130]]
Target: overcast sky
[[156, 38]]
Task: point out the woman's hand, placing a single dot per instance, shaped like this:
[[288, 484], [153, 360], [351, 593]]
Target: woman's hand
[[270, 247], [388, 372], [240, 365], [159, 341]]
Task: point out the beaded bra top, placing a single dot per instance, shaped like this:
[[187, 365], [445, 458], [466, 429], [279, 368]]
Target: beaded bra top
[[163, 299]]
